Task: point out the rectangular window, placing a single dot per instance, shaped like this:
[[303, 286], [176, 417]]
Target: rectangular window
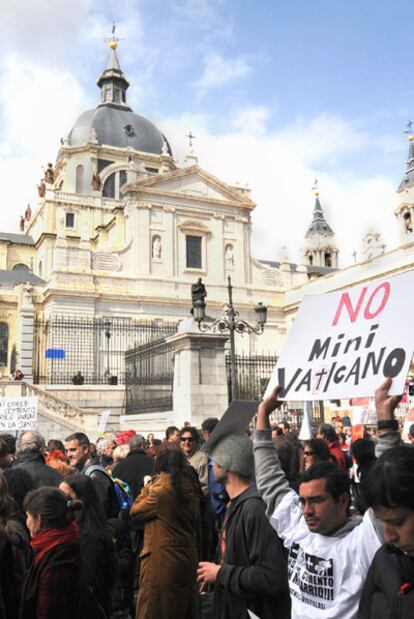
[[193, 252], [70, 220]]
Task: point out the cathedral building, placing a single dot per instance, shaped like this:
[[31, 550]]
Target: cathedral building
[[121, 232]]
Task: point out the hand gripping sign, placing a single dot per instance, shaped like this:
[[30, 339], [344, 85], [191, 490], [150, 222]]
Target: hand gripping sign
[[343, 344]]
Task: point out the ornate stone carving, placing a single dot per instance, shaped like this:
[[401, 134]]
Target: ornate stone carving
[[105, 261]]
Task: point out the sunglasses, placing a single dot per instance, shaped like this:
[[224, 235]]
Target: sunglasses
[[308, 453], [190, 439]]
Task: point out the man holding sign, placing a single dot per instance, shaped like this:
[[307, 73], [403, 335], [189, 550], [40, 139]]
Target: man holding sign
[[329, 553]]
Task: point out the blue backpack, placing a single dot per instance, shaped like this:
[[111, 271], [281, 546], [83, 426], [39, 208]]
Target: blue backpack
[[122, 493]]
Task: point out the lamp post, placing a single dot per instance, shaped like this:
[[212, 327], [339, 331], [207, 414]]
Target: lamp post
[[230, 323], [107, 326]]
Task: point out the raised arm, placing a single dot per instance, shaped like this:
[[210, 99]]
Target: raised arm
[[388, 431], [270, 478]]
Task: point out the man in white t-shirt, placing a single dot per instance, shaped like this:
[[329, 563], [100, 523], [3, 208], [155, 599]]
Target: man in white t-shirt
[[329, 552]]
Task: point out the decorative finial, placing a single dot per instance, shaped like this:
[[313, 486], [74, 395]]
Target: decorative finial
[[409, 130], [190, 137], [315, 187], [113, 41]]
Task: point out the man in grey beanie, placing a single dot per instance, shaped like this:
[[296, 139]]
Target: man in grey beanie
[[250, 572]]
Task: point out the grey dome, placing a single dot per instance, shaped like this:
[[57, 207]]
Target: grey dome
[[118, 127]]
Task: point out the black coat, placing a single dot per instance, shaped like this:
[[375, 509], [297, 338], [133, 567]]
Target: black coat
[[254, 571], [133, 469], [34, 463], [382, 597]]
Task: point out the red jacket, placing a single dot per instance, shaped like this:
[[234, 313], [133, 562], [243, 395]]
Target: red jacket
[[336, 451]]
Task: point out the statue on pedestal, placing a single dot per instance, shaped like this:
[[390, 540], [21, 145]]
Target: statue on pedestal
[[41, 189], [49, 173], [96, 182], [198, 292], [21, 223], [28, 213]]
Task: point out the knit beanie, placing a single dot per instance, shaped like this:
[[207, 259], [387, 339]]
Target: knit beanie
[[235, 454]]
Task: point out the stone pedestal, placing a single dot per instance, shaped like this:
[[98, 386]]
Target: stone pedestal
[[26, 315], [200, 382]]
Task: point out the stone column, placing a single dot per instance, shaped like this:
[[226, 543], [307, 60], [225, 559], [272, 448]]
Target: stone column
[[200, 381], [26, 322]]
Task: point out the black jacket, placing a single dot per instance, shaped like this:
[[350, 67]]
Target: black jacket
[[388, 592], [133, 469], [34, 463], [254, 572]]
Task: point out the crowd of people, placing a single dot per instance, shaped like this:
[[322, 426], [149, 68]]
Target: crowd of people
[[258, 524]]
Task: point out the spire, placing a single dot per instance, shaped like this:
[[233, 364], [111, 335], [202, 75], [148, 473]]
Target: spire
[[319, 224], [112, 81], [408, 179]]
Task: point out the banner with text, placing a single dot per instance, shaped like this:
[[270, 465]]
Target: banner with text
[[18, 413], [344, 344]]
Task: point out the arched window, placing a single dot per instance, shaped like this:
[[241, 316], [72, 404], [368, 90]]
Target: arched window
[[328, 259], [39, 269], [79, 179], [310, 259], [20, 267], [113, 184], [108, 190], [4, 343]]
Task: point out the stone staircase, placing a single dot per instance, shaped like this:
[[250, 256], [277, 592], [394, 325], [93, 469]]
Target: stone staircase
[[56, 418]]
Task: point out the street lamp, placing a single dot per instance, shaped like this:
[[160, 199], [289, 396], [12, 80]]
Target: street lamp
[[107, 326], [230, 322]]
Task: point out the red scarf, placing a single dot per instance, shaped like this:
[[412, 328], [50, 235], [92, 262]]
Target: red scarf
[[49, 538]]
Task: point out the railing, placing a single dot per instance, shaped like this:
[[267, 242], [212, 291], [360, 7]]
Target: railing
[[73, 198], [95, 347], [150, 377], [57, 408]]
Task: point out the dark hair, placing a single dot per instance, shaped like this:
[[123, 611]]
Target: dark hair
[[54, 507], [170, 431], [328, 431], [156, 442], [391, 480], [10, 441], [7, 504], [320, 449], [337, 480], [363, 452], [20, 482], [80, 437], [285, 424], [92, 516], [56, 444], [173, 461], [411, 430], [209, 424], [193, 431]]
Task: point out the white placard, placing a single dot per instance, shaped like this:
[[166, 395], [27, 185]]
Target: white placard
[[103, 421], [18, 413], [344, 344]]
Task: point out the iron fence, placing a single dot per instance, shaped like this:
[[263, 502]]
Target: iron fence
[[150, 377], [95, 347], [252, 375]]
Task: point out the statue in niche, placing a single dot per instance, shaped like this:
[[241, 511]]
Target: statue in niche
[[156, 247], [198, 292], [49, 173], [41, 189], [96, 182], [408, 223], [28, 213], [229, 255], [21, 223]]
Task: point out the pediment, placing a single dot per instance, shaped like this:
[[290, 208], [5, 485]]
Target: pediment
[[194, 183]]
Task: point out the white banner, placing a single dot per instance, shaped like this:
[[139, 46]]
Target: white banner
[[344, 344], [18, 413]]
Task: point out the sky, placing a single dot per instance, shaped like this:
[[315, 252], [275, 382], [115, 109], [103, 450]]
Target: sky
[[276, 92]]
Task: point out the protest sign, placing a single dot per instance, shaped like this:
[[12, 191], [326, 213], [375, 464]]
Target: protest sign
[[102, 420], [18, 413], [344, 344]]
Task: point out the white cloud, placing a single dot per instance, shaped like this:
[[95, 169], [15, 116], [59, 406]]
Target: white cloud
[[280, 168], [219, 71], [251, 119]]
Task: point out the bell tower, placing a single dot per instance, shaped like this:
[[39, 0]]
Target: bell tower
[[321, 250]]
